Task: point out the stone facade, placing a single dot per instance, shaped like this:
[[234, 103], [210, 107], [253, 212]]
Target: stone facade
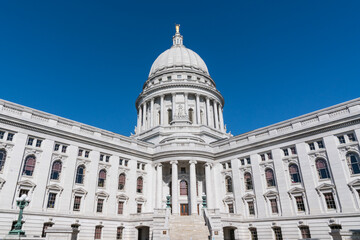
[[294, 178]]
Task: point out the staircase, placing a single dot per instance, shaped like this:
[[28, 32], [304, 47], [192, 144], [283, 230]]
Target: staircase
[[188, 228]]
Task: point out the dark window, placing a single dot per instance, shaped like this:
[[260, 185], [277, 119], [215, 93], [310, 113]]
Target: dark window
[[262, 157], [182, 170], [335, 227], [119, 233], [293, 150], [191, 115], [63, 149], [341, 139], [29, 165], [139, 185], [169, 116], [126, 163], [87, 154], [248, 161], [354, 163], [77, 203], [278, 233], [56, 170], [30, 141], [56, 147], [312, 146], [100, 204], [286, 152], [98, 232], [2, 133], [122, 180], [242, 162], [142, 166], [121, 161], [2, 158], [102, 178], [38, 143], [120, 207], [231, 208], [253, 233], [139, 207], [330, 201], [322, 169], [305, 232], [269, 156], [228, 184], [300, 203], [80, 174], [51, 200], [270, 180], [80, 152], [10, 137], [248, 181], [351, 137], [45, 226], [101, 157], [320, 144], [183, 188], [251, 208], [23, 191], [294, 173], [107, 158], [229, 165], [274, 206]]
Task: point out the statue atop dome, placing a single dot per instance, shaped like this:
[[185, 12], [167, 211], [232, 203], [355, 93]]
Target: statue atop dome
[[177, 28]]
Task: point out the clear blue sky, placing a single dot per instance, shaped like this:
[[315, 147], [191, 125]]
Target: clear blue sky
[[88, 60]]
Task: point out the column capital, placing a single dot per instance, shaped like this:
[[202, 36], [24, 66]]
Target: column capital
[[192, 162], [173, 162], [158, 164], [207, 164]]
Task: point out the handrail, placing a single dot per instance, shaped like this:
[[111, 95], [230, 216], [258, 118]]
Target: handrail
[[207, 220]]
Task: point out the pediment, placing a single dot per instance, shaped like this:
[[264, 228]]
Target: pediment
[[80, 190], [102, 194], [296, 190], [354, 183], [27, 183], [228, 199], [55, 187], [325, 186], [271, 193], [122, 196], [248, 196], [140, 199]]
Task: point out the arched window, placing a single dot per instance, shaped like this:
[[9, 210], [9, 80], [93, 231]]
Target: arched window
[[294, 173], [139, 185], [29, 165], [2, 158], [322, 169], [354, 163], [183, 188], [169, 116], [159, 117], [191, 115], [248, 181], [102, 178], [270, 180], [80, 174], [122, 180], [56, 170], [228, 184], [201, 117]]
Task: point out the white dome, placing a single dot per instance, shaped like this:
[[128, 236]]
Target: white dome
[[178, 56]]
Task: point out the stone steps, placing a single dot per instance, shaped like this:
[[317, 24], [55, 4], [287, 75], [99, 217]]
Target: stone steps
[[188, 228]]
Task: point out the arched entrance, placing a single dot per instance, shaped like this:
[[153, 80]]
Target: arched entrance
[[229, 233], [143, 233]]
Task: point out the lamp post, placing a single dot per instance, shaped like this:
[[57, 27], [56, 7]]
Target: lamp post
[[21, 202]]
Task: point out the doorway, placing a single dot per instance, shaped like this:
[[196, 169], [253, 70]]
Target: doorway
[[143, 233], [184, 209], [229, 233]]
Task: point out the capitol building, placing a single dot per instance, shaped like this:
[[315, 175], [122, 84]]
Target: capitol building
[[182, 175]]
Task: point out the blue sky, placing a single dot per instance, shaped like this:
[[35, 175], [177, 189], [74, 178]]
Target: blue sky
[[88, 60]]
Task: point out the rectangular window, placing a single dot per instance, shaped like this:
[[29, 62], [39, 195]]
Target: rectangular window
[[139, 207], [38, 143], [231, 208], [23, 191], [251, 208], [87, 154], [269, 156], [341, 139], [330, 201], [143, 167], [107, 158], [312, 146], [189, 77], [248, 161], [351, 137], [121, 208], [100, 204], [126, 163], [98, 232], [293, 150], [305, 232], [278, 233], [10, 137], [274, 206], [229, 165], [51, 200], [138, 166], [77, 203], [286, 152], [101, 157], [169, 78], [300, 203], [80, 152], [182, 170], [2, 133], [262, 157], [120, 161], [30, 141], [56, 147], [320, 144], [253, 233], [119, 233], [63, 149], [242, 162]]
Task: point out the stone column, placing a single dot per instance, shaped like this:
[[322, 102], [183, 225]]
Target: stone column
[[216, 115], [174, 187], [208, 111], [144, 116], [159, 185], [209, 187], [221, 117], [186, 104], [173, 106], [139, 119], [193, 196], [198, 109], [162, 109], [152, 113]]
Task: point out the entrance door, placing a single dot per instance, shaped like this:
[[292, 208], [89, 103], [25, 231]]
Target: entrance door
[[184, 209]]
